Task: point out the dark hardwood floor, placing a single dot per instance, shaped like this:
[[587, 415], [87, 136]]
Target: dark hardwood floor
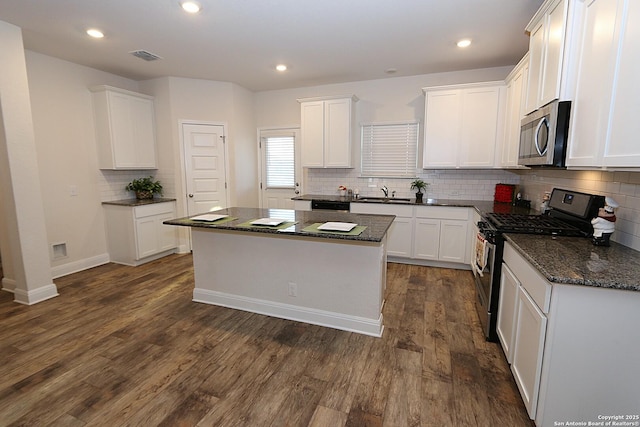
[[124, 346]]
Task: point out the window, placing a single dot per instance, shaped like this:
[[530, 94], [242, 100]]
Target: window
[[389, 150], [279, 161]]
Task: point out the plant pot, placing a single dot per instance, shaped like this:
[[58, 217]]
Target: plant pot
[[418, 197], [144, 195]]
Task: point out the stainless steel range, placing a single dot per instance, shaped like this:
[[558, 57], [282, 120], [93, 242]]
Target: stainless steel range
[[570, 214]]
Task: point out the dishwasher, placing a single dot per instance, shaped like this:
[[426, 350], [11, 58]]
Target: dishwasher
[[330, 205]]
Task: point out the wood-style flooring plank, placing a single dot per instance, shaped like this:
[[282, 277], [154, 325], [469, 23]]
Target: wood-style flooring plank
[[127, 346]]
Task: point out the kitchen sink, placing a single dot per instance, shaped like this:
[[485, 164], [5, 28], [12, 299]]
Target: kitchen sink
[[383, 200]]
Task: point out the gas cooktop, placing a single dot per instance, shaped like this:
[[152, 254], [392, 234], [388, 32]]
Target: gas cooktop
[[532, 224]]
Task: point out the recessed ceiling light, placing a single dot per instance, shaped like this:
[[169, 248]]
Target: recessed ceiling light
[[96, 34], [464, 43], [191, 6], [281, 67]]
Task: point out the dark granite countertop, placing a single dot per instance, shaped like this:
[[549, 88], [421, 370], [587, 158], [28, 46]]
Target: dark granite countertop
[[137, 202], [482, 206], [574, 260], [376, 225]]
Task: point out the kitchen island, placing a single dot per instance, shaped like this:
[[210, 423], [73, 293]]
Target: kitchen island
[[292, 270]]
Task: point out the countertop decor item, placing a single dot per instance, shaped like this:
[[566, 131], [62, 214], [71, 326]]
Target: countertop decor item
[[419, 185], [145, 188]]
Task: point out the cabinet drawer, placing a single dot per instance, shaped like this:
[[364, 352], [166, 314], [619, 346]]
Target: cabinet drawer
[[442, 212], [382, 209], [153, 209], [535, 283]]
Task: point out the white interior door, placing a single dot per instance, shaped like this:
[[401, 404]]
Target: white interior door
[[280, 170], [205, 167]]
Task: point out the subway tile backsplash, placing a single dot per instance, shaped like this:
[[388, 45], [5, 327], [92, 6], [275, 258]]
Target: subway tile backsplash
[[624, 187], [112, 183], [443, 184]]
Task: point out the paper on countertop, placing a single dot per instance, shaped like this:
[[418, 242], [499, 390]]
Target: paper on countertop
[[208, 217], [268, 221], [337, 226]]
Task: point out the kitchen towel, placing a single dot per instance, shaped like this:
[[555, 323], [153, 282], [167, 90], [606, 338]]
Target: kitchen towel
[[481, 254]]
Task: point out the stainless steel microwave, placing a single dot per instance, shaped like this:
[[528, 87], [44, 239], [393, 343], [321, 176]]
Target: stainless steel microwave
[[544, 135]]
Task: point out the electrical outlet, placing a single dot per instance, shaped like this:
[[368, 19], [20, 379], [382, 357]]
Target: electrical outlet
[[293, 289]]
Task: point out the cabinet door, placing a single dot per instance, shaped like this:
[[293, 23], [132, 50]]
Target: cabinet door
[[554, 49], [623, 148], [166, 233], [453, 241], [528, 350], [515, 111], [400, 237], [442, 129], [122, 137], [427, 239], [302, 205], [507, 311], [536, 62], [147, 238], [479, 129], [143, 132], [337, 114], [312, 132]]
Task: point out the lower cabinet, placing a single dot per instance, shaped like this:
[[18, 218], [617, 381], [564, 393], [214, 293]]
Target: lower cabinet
[[302, 205], [136, 234], [572, 348], [430, 233]]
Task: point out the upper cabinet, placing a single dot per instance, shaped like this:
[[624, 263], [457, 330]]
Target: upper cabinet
[[463, 125], [125, 129], [546, 53], [327, 131], [515, 110], [603, 133]]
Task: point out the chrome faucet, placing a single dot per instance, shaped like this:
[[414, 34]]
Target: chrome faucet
[[385, 190]]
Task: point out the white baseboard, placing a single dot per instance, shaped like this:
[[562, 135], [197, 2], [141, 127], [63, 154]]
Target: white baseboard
[[36, 295], [83, 264], [291, 312], [8, 285]]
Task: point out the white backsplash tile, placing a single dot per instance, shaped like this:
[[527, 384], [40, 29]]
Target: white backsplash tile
[[623, 187]]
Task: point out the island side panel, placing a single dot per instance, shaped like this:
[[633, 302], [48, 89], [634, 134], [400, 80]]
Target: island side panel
[[337, 283]]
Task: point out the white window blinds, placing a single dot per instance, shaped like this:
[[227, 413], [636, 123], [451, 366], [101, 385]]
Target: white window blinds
[[280, 161], [389, 150]]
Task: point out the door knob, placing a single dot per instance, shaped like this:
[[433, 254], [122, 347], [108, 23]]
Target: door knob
[[191, 195]]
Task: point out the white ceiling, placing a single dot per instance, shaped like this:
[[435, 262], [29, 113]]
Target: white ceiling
[[241, 41]]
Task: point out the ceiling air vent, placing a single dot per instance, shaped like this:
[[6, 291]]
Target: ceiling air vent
[[143, 54]]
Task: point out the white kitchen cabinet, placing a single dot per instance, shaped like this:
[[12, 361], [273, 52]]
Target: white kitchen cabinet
[[441, 234], [463, 125], [427, 243], [125, 128], [327, 132], [604, 130], [507, 311], [574, 357], [531, 327], [547, 31], [400, 234], [136, 234], [437, 234], [302, 205], [515, 111]]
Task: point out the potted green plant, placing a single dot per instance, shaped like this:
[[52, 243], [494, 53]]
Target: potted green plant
[[419, 185], [145, 188]]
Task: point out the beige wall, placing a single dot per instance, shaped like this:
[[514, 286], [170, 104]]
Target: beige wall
[[23, 233]]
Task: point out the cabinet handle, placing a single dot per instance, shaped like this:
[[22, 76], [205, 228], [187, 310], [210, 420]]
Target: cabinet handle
[[191, 195]]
